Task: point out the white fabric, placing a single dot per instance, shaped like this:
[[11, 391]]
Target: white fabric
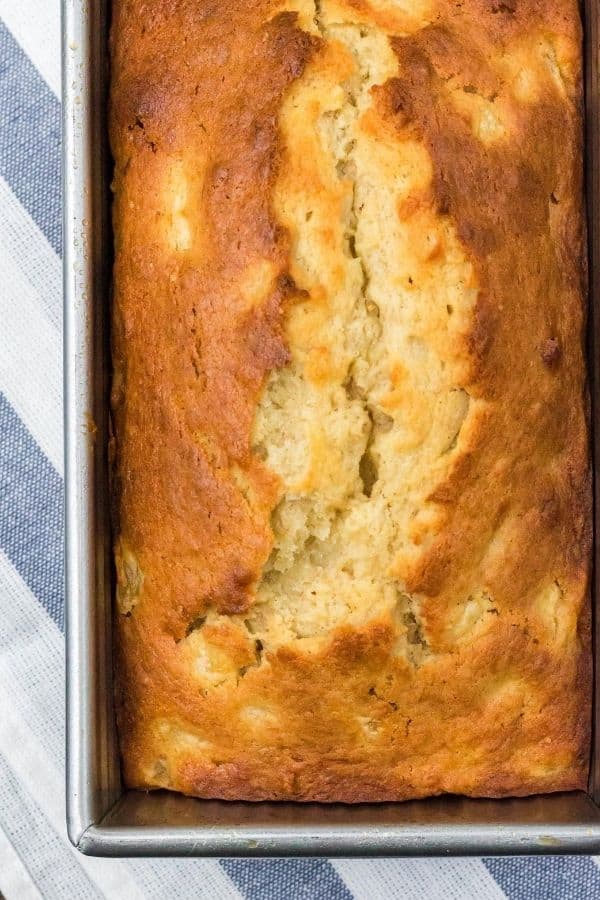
[[30, 341], [36, 26]]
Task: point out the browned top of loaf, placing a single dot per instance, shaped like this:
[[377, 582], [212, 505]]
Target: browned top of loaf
[[352, 475]]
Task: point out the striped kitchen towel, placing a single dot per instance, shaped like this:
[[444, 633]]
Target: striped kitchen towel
[[36, 859]]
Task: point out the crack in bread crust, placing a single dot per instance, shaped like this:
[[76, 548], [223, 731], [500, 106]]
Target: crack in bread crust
[[349, 398]]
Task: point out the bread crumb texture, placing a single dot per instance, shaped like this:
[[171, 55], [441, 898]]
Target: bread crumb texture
[[352, 477]]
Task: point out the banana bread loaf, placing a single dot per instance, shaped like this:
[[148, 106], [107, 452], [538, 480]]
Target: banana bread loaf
[[351, 465]]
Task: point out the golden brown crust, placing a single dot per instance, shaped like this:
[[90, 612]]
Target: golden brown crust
[[483, 687]]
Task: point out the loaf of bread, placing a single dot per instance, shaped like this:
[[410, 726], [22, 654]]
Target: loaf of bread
[[351, 470]]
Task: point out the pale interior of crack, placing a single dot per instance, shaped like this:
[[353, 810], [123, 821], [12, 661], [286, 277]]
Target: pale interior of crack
[[368, 413]]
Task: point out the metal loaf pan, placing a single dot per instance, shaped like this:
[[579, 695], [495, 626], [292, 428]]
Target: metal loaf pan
[[105, 820]]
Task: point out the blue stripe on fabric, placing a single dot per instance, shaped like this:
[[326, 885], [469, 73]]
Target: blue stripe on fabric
[[284, 879], [30, 138], [31, 513], [546, 877]]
